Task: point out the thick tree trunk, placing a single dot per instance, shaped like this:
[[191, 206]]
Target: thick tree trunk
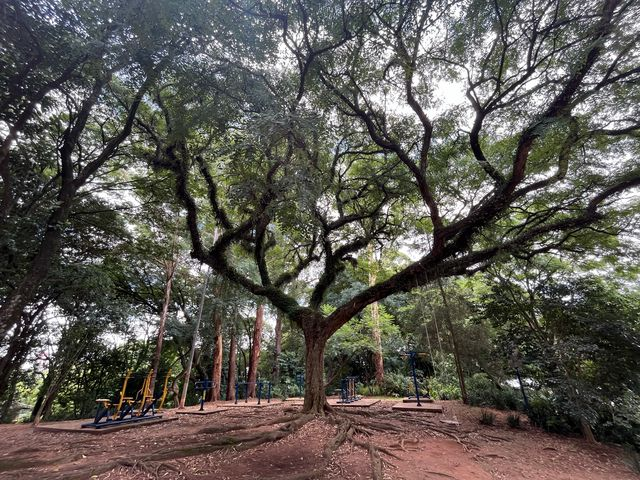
[[216, 375], [275, 374], [454, 342], [254, 357], [232, 368], [170, 268], [315, 400]]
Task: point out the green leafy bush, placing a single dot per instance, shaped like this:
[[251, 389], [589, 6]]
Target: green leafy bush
[[483, 392], [444, 390], [545, 411], [369, 390]]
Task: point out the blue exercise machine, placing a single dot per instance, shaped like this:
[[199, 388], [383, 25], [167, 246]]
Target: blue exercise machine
[[348, 390], [412, 362], [203, 386], [260, 384], [300, 384]]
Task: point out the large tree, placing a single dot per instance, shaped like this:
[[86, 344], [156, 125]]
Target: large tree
[[342, 138]]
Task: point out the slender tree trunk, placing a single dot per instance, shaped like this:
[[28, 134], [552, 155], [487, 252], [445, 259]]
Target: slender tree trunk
[[216, 375], [194, 341], [378, 360], [587, 433], [8, 402], [170, 269], [454, 342], [232, 368], [278, 350], [8, 362], [69, 351], [254, 357], [16, 301]]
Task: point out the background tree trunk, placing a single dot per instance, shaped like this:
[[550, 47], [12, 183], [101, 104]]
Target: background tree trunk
[[454, 342], [231, 371], [216, 375], [275, 377], [254, 357], [587, 433], [194, 341], [378, 361], [170, 269]]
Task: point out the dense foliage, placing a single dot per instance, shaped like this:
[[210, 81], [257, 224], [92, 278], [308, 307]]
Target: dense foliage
[[453, 178]]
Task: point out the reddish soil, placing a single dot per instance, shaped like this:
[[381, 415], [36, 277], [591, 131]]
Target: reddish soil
[[413, 446]]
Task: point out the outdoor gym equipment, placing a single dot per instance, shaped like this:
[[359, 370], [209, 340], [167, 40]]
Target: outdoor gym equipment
[[203, 386], [137, 409], [300, 384], [259, 385], [348, 390], [412, 362]]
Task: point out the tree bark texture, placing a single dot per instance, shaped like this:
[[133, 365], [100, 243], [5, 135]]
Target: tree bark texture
[[254, 357], [315, 400]]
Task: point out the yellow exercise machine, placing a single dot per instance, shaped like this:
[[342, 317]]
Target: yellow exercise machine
[[140, 408]]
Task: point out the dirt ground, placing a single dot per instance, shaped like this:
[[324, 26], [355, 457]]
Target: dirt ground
[[278, 443]]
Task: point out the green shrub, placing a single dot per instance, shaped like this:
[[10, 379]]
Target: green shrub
[[545, 411], [482, 392], [487, 417], [444, 390], [370, 390], [513, 421], [395, 384]]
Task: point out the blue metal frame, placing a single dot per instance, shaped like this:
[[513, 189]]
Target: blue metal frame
[[348, 390], [300, 384], [203, 386], [412, 362], [259, 384], [126, 409]]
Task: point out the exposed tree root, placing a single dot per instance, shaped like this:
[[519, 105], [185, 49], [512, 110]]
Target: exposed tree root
[[355, 428], [151, 463], [240, 426]]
